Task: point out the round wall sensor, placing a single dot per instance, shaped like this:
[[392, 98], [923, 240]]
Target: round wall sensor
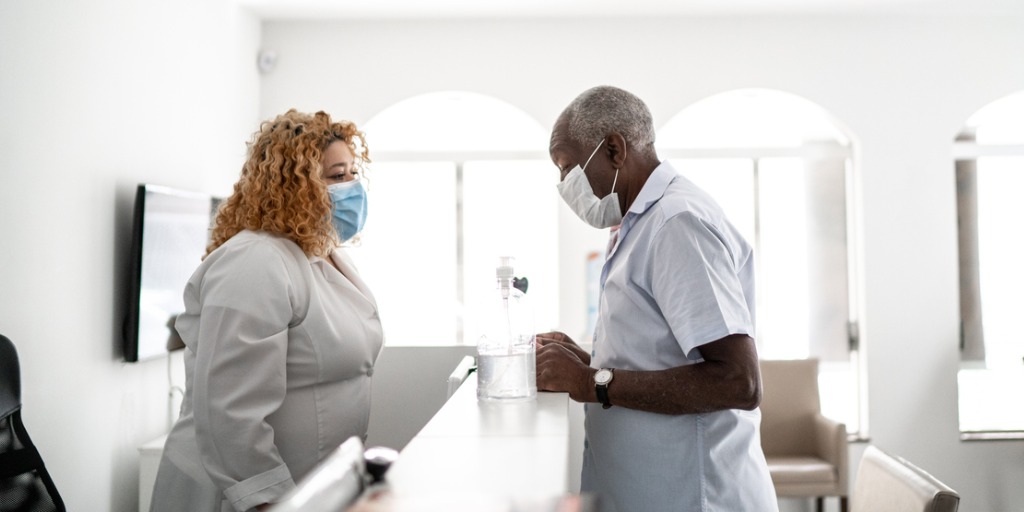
[[266, 60]]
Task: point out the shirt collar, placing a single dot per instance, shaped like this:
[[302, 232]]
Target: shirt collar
[[652, 191], [655, 187]]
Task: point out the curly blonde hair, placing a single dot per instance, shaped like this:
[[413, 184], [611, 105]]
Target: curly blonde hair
[[281, 189]]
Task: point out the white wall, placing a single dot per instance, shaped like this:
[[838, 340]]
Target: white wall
[[903, 87], [96, 97]]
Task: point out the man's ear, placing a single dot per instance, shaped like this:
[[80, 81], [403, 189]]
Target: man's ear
[[616, 148]]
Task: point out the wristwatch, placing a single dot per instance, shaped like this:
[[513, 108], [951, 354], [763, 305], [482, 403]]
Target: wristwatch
[[602, 378]]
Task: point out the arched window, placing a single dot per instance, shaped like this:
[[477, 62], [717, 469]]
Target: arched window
[[457, 180], [989, 162], [781, 169]]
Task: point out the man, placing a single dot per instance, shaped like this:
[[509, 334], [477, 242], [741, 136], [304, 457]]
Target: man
[[674, 367]]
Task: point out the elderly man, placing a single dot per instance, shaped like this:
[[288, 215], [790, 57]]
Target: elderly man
[[674, 367]]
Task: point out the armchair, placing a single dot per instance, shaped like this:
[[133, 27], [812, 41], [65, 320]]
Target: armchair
[[806, 452], [886, 483]]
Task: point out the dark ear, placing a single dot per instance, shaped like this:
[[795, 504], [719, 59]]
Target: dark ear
[[616, 148]]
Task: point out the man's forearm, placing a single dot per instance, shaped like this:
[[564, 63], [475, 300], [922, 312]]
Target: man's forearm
[[728, 378]]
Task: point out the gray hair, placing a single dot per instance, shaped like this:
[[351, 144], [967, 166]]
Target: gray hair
[[605, 109]]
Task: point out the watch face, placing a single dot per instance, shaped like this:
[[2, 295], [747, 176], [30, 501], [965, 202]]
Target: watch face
[[603, 376]]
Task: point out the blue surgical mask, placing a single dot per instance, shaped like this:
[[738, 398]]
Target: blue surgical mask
[[349, 214]]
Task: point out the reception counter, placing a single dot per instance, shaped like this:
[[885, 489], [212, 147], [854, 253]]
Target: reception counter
[[471, 455], [527, 452]]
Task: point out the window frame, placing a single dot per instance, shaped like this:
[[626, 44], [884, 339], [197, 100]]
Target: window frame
[[966, 150]]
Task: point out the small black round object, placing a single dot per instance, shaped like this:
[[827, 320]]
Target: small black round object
[[378, 460]]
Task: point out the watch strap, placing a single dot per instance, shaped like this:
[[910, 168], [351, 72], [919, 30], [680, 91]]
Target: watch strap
[[601, 389], [602, 396]]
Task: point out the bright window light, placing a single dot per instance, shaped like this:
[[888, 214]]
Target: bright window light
[[784, 310], [788, 197], [406, 253], [1000, 244], [436, 228], [986, 404], [510, 209]]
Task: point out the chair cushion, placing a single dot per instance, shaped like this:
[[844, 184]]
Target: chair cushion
[[800, 470]]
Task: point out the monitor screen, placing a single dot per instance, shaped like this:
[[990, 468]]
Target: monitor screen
[[170, 232]]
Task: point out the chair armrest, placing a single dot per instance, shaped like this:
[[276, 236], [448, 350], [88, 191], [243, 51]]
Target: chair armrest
[[832, 446]]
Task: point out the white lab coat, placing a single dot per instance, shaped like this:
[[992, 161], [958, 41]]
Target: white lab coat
[[280, 352]]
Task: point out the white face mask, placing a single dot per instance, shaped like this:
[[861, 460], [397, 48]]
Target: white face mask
[[576, 191]]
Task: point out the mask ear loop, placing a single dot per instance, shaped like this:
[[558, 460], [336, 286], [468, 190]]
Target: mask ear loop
[[589, 158], [614, 181]]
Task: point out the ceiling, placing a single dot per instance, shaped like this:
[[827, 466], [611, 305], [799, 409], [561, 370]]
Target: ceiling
[[418, 9]]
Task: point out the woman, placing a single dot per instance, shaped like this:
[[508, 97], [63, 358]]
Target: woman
[[282, 335]]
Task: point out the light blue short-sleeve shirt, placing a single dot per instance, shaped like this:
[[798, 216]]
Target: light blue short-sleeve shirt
[[679, 276]]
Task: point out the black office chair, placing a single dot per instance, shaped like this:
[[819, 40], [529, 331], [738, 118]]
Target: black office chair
[[25, 485]]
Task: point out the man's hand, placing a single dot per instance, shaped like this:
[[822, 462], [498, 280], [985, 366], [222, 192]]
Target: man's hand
[[560, 338], [560, 368]]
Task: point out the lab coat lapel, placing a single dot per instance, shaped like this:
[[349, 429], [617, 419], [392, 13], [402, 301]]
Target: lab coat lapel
[[348, 268]]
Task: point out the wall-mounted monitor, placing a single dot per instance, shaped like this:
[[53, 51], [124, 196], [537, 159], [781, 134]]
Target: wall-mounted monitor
[[170, 231]]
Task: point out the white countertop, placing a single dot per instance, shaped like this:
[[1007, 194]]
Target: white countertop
[[480, 456], [506, 451]]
